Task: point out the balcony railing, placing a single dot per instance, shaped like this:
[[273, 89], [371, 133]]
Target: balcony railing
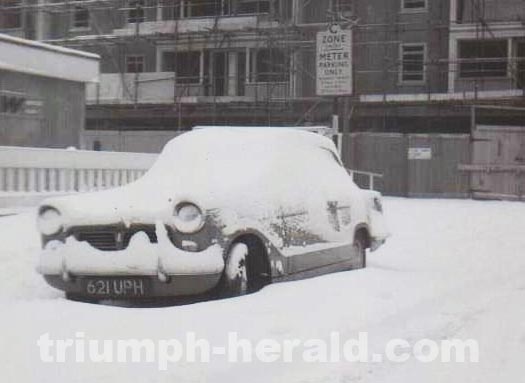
[[116, 88], [195, 25], [163, 88]]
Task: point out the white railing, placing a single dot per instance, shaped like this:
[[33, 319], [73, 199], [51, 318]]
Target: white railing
[[128, 88], [30, 174], [196, 25], [161, 88]]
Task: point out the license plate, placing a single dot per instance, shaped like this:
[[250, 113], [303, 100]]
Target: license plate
[[116, 287]]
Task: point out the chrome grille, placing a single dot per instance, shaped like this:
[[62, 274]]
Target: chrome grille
[[112, 239], [102, 240]]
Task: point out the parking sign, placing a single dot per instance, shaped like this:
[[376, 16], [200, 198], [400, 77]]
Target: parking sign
[[334, 62]]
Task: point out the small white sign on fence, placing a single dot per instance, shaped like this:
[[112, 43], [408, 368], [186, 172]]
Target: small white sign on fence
[[419, 153]]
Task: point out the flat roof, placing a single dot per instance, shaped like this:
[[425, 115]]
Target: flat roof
[[48, 47], [40, 59]]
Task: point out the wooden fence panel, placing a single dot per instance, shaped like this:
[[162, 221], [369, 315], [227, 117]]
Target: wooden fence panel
[[413, 165], [379, 153], [435, 173]]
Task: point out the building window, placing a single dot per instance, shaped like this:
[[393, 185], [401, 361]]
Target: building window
[[171, 10], [483, 58], [202, 8], [270, 65], [460, 11], [136, 11], [134, 64], [186, 66], [413, 63], [80, 17], [520, 58], [253, 6], [413, 5], [208, 8], [10, 14]]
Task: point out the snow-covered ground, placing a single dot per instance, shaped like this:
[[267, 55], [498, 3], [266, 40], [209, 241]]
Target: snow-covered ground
[[452, 269]]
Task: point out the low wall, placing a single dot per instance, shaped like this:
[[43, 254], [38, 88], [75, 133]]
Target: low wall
[[28, 175]]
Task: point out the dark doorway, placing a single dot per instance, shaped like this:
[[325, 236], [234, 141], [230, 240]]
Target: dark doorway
[[241, 73], [520, 53], [219, 69], [97, 146]]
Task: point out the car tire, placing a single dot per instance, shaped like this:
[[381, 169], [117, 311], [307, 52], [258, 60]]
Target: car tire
[[360, 248], [235, 276]]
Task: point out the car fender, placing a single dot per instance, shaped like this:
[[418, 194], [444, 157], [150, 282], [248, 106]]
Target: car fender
[[277, 262]]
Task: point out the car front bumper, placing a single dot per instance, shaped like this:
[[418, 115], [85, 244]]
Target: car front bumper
[[169, 271]]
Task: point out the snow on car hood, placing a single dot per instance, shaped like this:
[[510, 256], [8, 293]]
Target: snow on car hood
[[239, 171]]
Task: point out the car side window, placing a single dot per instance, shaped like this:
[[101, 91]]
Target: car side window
[[334, 156]]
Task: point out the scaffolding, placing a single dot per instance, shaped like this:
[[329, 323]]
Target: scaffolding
[[264, 68], [266, 84]]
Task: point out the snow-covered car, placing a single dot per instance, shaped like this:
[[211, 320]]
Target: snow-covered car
[[223, 210]]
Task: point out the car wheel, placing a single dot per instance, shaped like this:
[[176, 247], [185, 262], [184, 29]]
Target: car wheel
[[360, 248], [235, 278]]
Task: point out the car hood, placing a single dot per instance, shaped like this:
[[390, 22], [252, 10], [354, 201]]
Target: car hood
[[125, 204]]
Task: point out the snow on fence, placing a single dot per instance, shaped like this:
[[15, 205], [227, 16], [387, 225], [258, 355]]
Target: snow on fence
[[29, 174]]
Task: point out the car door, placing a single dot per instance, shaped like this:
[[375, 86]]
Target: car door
[[328, 221]]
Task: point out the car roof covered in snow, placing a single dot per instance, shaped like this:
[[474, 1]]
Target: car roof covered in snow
[[321, 129], [208, 137]]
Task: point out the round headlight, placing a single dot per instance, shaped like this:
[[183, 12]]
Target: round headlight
[[188, 218], [49, 221]]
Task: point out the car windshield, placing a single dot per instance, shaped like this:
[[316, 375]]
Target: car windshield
[[241, 152]]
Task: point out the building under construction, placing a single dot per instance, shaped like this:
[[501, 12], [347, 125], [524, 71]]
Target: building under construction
[[418, 65]]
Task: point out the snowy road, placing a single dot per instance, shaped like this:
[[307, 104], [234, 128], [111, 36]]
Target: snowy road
[[452, 269]]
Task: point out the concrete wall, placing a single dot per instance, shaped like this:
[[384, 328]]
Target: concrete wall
[[51, 113], [29, 175], [113, 57]]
